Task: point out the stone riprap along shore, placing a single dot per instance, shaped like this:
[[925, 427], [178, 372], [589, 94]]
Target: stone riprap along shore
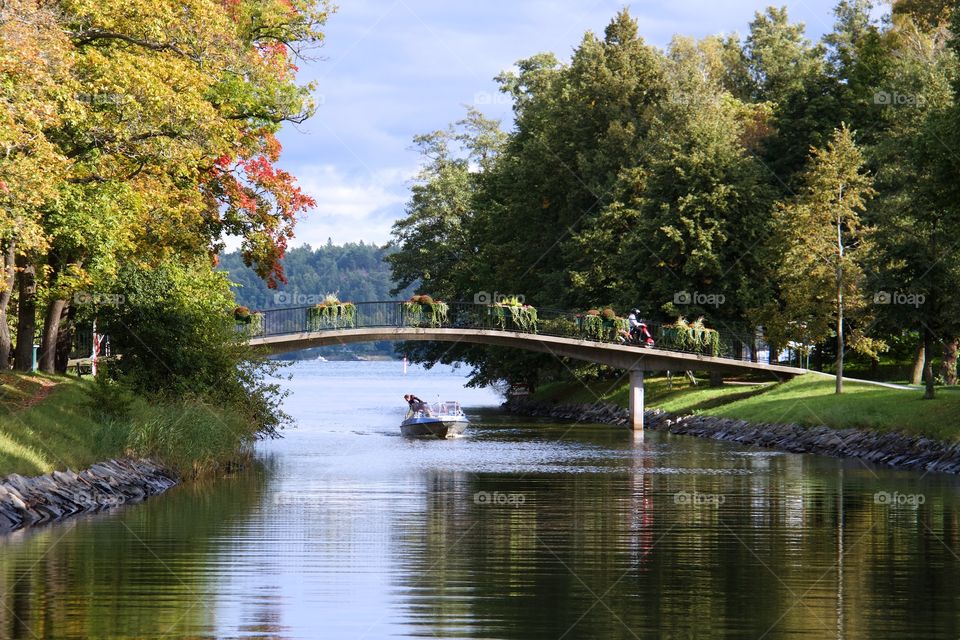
[[892, 449], [42, 499]]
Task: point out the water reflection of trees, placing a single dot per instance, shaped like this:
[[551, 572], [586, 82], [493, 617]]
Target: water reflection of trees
[[140, 571], [799, 545]]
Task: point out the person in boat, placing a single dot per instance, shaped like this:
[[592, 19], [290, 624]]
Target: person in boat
[[416, 404]]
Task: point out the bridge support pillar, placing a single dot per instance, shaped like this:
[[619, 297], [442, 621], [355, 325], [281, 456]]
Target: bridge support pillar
[[636, 400]]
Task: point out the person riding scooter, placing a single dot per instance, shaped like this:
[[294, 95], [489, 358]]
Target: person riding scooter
[[639, 333]]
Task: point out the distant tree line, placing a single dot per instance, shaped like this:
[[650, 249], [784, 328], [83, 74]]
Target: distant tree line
[[356, 272], [807, 189]]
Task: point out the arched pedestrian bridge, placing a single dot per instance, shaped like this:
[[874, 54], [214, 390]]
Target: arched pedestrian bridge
[[560, 334]]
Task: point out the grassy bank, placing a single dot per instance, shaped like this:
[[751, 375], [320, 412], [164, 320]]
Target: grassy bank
[[54, 422], [677, 396], [807, 400]]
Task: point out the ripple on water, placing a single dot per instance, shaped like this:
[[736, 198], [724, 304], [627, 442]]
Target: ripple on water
[[522, 529]]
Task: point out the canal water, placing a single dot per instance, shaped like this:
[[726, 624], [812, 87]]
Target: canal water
[[521, 529]]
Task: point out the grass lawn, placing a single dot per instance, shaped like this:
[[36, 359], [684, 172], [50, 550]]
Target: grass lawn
[[54, 433], [807, 400], [49, 422], [679, 397], [810, 400]]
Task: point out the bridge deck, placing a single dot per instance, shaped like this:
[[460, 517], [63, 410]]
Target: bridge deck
[[615, 355]]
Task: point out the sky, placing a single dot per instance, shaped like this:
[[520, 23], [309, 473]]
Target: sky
[[391, 69]]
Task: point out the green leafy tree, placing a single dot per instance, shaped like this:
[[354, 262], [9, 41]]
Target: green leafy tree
[[823, 247], [434, 250], [175, 329], [35, 85], [577, 127], [175, 105], [914, 216], [356, 272], [779, 56], [691, 216]]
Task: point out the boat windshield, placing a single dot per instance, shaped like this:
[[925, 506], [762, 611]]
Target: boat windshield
[[438, 409]]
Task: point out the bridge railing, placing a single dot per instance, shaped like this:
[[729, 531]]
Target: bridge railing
[[730, 343]]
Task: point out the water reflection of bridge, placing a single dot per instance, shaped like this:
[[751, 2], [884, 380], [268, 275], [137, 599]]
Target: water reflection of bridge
[[557, 333]]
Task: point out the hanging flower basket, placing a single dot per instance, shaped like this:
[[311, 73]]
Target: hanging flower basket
[[603, 325], [423, 311], [242, 315], [511, 314], [690, 336], [248, 322], [331, 314]]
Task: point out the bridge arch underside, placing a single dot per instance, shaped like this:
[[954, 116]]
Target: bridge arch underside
[[613, 355]]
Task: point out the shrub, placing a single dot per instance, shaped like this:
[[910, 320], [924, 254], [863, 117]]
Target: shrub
[[176, 340], [109, 399]]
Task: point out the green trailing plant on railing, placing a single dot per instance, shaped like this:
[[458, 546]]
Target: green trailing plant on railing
[[620, 325], [256, 324], [247, 321], [602, 325], [422, 309], [513, 314], [690, 336], [331, 314], [591, 325]]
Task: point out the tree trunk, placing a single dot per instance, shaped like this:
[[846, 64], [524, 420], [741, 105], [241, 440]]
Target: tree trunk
[[948, 368], [840, 341], [840, 349], [818, 358], [51, 330], [839, 317], [916, 374], [68, 329], [8, 265], [26, 314], [930, 391]]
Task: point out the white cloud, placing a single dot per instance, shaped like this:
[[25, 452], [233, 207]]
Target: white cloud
[[351, 206], [391, 69]]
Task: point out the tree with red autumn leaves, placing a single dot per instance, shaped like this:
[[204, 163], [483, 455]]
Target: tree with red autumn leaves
[[154, 123]]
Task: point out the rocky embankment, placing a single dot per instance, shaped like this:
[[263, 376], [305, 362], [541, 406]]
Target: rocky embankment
[[38, 500], [891, 449]]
